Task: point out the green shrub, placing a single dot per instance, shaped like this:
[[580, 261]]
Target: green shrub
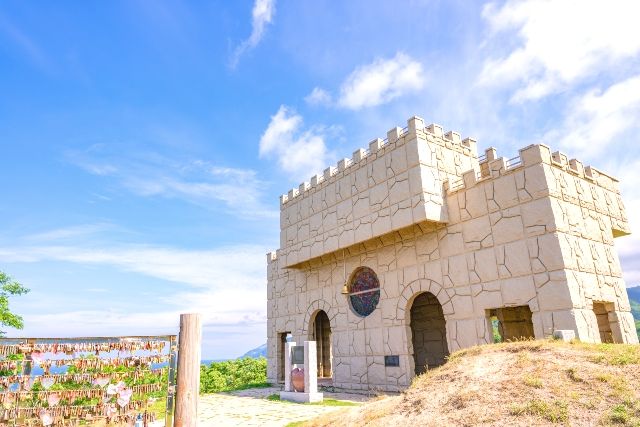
[[233, 375]]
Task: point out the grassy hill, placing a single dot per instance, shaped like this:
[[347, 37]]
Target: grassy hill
[[523, 383]]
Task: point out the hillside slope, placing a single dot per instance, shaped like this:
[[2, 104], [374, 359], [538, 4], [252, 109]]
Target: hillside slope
[[634, 299], [523, 383], [260, 351], [634, 293]]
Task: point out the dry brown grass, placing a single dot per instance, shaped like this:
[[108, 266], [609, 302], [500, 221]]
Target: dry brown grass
[[523, 384]]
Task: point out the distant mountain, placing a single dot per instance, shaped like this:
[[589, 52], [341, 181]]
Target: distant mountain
[[257, 352], [634, 299], [210, 361], [634, 293]]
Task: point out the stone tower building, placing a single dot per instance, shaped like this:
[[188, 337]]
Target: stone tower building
[[418, 247]]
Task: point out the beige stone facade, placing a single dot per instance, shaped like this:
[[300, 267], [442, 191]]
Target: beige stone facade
[[523, 246]]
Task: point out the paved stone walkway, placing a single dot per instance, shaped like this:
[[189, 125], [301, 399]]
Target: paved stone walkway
[[251, 408]]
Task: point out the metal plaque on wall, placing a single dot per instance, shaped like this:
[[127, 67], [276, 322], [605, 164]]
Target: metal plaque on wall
[[297, 355], [392, 361]]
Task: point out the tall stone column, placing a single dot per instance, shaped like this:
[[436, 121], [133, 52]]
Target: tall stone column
[[287, 365], [310, 367]]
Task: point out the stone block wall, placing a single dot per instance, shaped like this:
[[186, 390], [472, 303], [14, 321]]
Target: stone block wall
[[535, 231]]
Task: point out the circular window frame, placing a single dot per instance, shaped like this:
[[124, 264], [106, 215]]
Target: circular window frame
[[376, 290]]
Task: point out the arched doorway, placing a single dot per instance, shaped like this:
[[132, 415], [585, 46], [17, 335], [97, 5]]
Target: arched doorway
[[428, 332], [322, 336]]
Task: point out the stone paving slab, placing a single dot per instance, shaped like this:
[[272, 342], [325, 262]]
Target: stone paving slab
[[251, 408]]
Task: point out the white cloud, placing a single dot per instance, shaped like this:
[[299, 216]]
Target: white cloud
[[31, 50], [234, 320], [73, 232], [300, 153], [559, 43], [597, 120], [220, 307], [262, 14], [318, 96], [198, 182], [225, 284], [242, 265], [381, 81]]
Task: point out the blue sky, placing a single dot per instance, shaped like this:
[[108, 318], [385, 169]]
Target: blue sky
[[144, 144]]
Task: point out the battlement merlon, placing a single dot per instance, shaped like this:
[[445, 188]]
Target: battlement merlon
[[397, 182]]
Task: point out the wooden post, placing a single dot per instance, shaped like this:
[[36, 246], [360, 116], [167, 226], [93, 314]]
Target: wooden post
[[188, 387]]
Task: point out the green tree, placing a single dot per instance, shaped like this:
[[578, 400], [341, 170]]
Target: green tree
[[235, 374], [9, 288]]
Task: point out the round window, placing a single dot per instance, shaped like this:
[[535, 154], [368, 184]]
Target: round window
[[364, 291]]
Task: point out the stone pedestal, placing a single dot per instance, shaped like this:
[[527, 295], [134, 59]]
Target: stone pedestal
[[293, 396], [310, 367]]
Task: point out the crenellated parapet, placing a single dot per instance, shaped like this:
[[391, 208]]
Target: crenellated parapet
[[433, 133], [589, 173]]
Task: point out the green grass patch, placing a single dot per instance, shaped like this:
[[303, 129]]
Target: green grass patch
[[616, 354], [532, 381], [619, 414], [334, 402], [555, 411], [470, 351], [626, 414], [159, 407], [275, 397]]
